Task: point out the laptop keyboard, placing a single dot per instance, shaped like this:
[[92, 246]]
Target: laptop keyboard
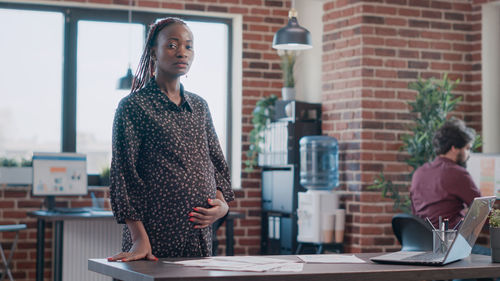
[[426, 257]]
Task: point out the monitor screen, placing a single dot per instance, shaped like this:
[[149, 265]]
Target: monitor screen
[[484, 169], [59, 174]]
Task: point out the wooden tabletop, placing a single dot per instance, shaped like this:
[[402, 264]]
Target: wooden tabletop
[[475, 266]]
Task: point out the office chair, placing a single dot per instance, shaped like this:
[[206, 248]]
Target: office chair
[[412, 233]]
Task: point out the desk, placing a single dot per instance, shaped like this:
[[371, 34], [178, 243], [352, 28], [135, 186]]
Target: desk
[[475, 266], [58, 219]]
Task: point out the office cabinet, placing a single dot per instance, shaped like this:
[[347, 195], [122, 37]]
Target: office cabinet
[[276, 185]]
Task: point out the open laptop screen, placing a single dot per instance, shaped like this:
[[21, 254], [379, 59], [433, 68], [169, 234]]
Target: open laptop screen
[[470, 228]]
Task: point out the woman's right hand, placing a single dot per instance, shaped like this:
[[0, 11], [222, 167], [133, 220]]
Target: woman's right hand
[[141, 249]]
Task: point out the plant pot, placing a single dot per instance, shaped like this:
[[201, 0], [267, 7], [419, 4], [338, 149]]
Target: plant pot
[[288, 93], [16, 175], [104, 181], [495, 244]]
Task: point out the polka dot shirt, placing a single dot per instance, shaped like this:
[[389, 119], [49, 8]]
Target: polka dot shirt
[[166, 161]]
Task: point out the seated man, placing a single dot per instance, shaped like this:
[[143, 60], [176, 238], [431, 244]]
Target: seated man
[[444, 188]]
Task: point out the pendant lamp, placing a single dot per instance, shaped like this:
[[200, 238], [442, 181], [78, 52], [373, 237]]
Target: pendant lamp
[[292, 36], [125, 83]]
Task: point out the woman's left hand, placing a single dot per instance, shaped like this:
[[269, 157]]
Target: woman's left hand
[[204, 217]]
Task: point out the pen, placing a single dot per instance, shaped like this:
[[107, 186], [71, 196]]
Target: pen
[[456, 226], [441, 230], [446, 222]]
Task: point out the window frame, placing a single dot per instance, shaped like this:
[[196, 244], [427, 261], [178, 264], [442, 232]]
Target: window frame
[[72, 14]]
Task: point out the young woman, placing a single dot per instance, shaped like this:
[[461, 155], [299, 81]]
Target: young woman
[[169, 179]]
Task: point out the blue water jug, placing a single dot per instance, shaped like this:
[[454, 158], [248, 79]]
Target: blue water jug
[[319, 158]]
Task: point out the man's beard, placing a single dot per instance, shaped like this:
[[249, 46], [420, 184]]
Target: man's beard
[[461, 161]]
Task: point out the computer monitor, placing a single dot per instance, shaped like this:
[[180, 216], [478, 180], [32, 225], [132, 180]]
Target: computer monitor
[[59, 174], [484, 169]]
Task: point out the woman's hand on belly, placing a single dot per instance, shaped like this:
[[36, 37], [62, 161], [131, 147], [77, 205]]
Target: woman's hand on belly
[[204, 217]]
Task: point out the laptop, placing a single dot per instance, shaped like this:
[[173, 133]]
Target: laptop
[[461, 246]]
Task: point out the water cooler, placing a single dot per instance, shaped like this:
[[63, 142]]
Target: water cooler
[[318, 208]]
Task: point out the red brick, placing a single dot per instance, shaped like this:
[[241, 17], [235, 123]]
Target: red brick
[[409, 12], [440, 66], [249, 241], [365, 230], [248, 203], [452, 57], [14, 194]]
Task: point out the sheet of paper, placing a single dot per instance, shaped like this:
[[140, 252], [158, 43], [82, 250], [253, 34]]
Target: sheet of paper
[[244, 263], [330, 258], [246, 267], [253, 259], [293, 267]]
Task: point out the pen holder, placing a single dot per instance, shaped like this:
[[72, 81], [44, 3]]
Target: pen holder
[[442, 240]]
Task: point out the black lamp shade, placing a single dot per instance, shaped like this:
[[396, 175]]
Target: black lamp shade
[[292, 37], [125, 83]]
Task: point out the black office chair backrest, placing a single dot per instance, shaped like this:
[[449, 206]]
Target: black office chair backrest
[[412, 233]]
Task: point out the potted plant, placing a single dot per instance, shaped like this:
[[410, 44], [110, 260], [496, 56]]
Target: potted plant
[[495, 235], [261, 116], [431, 107], [288, 59], [14, 172]]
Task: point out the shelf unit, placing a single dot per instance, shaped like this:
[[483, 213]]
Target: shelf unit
[[280, 173]]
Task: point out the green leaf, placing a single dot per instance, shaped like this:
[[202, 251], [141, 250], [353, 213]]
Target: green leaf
[[261, 115]]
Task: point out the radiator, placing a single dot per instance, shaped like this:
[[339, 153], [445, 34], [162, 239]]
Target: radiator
[[87, 239]]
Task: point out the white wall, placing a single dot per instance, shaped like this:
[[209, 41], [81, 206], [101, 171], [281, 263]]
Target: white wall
[[490, 75], [308, 65]]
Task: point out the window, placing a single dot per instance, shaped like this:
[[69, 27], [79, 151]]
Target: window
[[31, 89], [204, 78], [99, 66], [63, 66]]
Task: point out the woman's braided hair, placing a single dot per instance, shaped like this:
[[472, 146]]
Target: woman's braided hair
[[146, 65]]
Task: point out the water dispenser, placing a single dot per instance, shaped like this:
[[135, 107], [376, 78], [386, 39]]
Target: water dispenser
[[319, 219]]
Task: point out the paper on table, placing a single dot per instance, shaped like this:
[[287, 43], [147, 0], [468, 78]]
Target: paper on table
[[295, 267], [253, 259], [249, 267], [330, 258], [246, 263]]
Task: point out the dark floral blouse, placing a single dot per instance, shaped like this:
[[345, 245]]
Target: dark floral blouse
[[166, 161]]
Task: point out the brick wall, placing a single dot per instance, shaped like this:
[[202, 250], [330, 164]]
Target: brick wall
[[372, 50]]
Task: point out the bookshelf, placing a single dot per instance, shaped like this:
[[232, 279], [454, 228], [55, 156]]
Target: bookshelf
[[280, 173]]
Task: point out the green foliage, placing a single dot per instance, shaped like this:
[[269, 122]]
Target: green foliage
[[105, 172], [7, 162], [432, 105], [104, 176], [495, 218], [264, 110], [288, 59], [12, 162], [389, 190]]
